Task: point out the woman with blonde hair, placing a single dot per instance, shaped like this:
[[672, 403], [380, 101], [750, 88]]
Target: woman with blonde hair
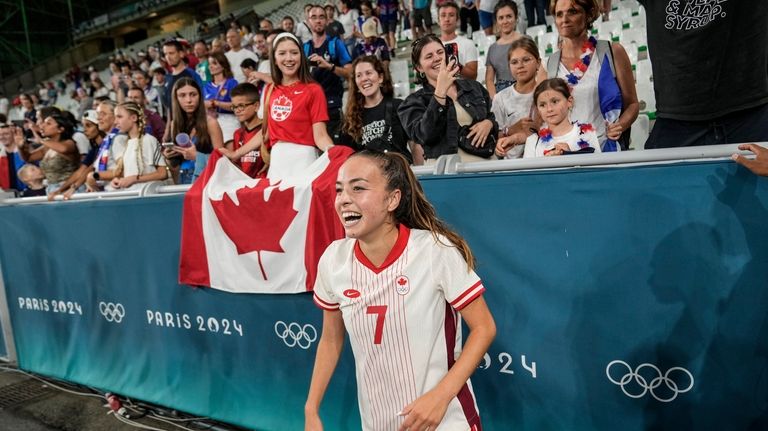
[[142, 160]]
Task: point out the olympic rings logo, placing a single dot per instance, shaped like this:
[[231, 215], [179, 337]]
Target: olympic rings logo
[[651, 383], [112, 312], [294, 334]]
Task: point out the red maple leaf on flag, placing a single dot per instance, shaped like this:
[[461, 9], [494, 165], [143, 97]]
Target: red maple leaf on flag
[[256, 224]]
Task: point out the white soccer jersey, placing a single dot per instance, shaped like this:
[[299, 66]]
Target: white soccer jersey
[[402, 322]]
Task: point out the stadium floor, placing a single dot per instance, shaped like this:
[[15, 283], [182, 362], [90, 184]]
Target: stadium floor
[[28, 404]]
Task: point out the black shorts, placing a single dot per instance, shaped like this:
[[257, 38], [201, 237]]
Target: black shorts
[[739, 127], [388, 22], [421, 18]]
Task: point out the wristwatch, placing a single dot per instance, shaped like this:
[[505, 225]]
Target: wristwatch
[[96, 176]]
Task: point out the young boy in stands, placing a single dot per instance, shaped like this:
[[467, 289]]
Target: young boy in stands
[[247, 139], [33, 177]]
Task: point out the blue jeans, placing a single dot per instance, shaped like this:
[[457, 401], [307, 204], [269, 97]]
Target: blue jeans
[[538, 6], [502, 84]]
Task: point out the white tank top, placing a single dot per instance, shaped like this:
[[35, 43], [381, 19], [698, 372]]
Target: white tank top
[[586, 102]]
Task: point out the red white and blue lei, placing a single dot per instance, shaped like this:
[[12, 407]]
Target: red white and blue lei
[[581, 66]]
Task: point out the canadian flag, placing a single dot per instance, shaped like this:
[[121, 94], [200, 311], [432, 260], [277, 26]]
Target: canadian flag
[[5, 177], [248, 235]]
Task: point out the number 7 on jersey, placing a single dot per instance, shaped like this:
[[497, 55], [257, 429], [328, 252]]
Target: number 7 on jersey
[[380, 311]]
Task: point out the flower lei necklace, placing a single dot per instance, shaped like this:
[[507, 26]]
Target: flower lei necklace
[[580, 68], [545, 134]]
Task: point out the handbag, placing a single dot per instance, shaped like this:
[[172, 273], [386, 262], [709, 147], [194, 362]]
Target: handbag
[[485, 151]]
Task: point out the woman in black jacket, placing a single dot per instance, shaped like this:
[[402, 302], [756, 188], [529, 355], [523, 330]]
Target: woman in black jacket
[[448, 115]]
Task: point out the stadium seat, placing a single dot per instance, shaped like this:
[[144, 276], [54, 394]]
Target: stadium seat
[[402, 90], [639, 134], [643, 71], [484, 42], [632, 52], [548, 41], [535, 31], [621, 15], [637, 22], [646, 97], [608, 27], [481, 73], [635, 35], [399, 71]]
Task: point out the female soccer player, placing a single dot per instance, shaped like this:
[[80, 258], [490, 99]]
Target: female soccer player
[[397, 284]]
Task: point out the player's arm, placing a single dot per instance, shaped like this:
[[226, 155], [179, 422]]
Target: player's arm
[[428, 410], [328, 353]]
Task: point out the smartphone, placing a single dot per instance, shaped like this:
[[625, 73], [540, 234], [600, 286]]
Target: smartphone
[[450, 53], [168, 145]]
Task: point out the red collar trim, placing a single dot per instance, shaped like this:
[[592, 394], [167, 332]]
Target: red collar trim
[[402, 240]]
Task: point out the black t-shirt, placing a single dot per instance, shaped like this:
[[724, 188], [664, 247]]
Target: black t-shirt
[[334, 29], [171, 79], [380, 134], [710, 58], [332, 84]]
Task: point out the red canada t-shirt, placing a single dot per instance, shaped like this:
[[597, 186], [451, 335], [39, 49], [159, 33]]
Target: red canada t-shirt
[[250, 163], [292, 111]]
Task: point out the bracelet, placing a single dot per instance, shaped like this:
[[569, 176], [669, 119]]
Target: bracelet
[[137, 178], [440, 97]]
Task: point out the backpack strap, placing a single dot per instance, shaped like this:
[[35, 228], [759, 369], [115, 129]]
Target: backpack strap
[[604, 48], [331, 48]]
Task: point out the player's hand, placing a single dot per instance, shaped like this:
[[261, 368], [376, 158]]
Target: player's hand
[[759, 165], [425, 413], [312, 422]]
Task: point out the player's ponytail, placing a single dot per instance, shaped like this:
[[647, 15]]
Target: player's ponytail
[[414, 209]]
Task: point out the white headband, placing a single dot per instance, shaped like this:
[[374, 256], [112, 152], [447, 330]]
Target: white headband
[[283, 36]]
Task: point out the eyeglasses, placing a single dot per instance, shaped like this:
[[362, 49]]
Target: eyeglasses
[[241, 107], [524, 61]]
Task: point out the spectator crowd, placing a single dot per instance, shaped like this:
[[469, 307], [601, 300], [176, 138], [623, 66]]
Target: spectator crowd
[[272, 97]]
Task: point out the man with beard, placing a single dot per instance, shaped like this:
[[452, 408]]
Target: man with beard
[[331, 64], [173, 51]]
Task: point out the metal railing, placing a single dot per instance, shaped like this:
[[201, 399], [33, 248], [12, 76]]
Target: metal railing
[[451, 165]]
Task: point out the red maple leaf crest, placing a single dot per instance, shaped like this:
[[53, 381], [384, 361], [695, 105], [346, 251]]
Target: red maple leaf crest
[[401, 281], [256, 224]]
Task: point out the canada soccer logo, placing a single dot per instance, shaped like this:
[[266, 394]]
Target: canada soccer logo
[[402, 285], [281, 108]]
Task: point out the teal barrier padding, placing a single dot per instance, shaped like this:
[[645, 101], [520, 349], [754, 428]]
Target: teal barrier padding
[[3, 351], [625, 298]]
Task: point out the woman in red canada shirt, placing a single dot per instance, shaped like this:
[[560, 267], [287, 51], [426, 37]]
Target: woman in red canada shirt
[[296, 111]]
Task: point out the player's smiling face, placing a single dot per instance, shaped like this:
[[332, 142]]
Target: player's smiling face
[[363, 203]]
